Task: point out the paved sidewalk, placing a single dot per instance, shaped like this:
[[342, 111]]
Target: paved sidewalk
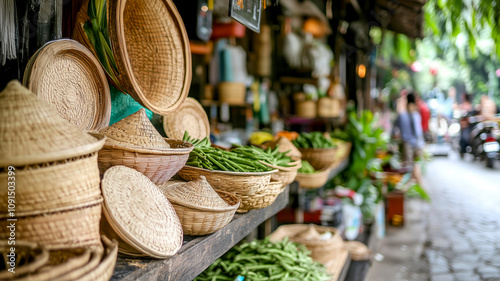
[[402, 248], [454, 238]]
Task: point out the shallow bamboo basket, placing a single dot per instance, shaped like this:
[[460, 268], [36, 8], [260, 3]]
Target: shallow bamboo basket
[[263, 199], [199, 220], [251, 188], [44, 187], [319, 158], [313, 181], [322, 251], [151, 49], [286, 175], [66, 228], [157, 165]]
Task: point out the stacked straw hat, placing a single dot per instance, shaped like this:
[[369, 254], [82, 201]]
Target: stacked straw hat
[[53, 166], [201, 209], [135, 143], [138, 215]]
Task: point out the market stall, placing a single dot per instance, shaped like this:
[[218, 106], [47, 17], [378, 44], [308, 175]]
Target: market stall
[[151, 143]]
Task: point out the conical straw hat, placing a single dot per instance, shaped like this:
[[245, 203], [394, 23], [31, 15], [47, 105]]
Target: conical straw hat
[[32, 132], [139, 213], [197, 193], [285, 145], [135, 130], [309, 234]]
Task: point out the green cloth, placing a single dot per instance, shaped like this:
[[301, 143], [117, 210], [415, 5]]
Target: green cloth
[[122, 105]]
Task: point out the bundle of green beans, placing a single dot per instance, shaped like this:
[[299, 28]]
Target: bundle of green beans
[[270, 156], [265, 260], [307, 168], [211, 158], [313, 140]]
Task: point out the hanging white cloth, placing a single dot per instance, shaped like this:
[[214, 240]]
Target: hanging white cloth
[[7, 30]]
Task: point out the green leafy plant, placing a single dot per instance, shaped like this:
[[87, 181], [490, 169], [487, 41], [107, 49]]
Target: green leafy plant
[[96, 29]]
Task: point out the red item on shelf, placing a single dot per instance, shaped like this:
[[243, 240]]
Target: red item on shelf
[[226, 30]]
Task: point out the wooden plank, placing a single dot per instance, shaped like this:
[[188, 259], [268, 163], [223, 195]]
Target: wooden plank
[[345, 269], [197, 253]]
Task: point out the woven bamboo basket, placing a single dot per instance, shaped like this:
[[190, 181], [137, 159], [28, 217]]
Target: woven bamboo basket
[[135, 143], [247, 186], [286, 175], [190, 117], [262, 198], [70, 227], [104, 270], [33, 132], [157, 165], [138, 215], [313, 181], [319, 158], [140, 30], [67, 75], [199, 211], [29, 258], [41, 188], [322, 251]]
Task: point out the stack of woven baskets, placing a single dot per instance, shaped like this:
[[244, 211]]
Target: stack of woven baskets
[[35, 262], [51, 167]]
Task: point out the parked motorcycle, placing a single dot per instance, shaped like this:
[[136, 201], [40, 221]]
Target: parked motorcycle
[[485, 141]]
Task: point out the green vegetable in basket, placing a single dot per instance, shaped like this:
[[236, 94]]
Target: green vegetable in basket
[[265, 260], [313, 140], [307, 168]]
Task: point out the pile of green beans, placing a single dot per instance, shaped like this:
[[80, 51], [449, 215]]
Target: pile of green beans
[[313, 140], [240, 159], [265, 260], [211, 158]]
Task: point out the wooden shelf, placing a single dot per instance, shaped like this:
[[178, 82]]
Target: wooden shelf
[[198, 252]]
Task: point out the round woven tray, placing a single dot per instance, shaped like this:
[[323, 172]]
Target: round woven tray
[[67, 75], [64, 228], [138, 215], [200, 220], [190, 117], [151, 49]]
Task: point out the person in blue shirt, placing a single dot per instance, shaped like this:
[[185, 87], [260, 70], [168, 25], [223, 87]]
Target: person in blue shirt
[[409, 124]]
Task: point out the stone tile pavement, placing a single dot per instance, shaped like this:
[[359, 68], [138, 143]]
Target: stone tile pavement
[[456, 237]]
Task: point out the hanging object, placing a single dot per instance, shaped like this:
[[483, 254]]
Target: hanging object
[[8, 29], [67, 75], [247, 12]]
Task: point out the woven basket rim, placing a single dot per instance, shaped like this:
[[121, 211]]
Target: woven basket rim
[[46, 52], [121, 53], [232, 173], [171, 151], [191, 105], [295, 166], [318, 149], [89, 204], [201, 208], [288, 229]]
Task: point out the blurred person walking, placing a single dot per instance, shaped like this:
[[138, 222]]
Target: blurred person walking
[[409, 125], [425, 114]]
